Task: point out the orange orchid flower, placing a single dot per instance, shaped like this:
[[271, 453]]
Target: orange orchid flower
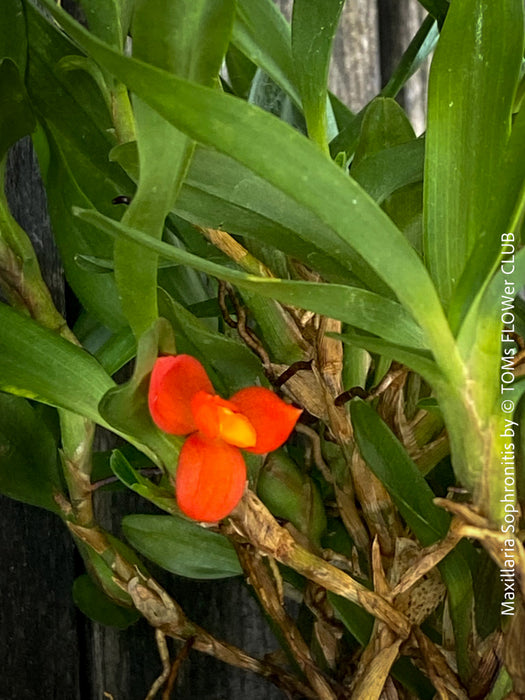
[[211, 473]]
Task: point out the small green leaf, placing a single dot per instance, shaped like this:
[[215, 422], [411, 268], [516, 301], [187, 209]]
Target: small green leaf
[[384, 125], [29, 469], [138, 483], [292, 495], [99, 564], [125, 407], [96, 605], [182, 547]]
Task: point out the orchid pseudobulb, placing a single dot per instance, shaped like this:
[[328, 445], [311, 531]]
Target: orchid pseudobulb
[[211, 473]]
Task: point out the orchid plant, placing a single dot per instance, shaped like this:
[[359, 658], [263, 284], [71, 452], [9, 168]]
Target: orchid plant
[[353, 289]]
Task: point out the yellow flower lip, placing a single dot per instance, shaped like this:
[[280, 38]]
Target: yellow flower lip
[[217, 418], [235, 428]]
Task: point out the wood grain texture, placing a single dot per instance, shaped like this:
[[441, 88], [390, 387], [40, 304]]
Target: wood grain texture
[[38, 640], [399, 22], [48, 649]]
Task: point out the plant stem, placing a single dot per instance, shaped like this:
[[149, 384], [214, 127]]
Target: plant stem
[[122, 114], [255, 522]]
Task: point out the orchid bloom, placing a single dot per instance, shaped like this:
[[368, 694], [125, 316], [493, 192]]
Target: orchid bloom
[[211, 473]]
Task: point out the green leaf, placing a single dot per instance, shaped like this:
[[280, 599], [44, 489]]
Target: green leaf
[[506, 207], [292, 495], [413, 497], [390, 169], [263, 35], [107, 19], [125, 407], [117, 351], [75, 117], [241, 71], [29, 468], [16, 116], [284, 158], [182, 547], [437, 8], [13, 38], [314, 25], [70, 104], [190, 40], [502, 687], [221, 193], [144, 487], [418, 50], [97, 293], [96, 605], [39, 364], [230, 365], [99, 559], [390, 463], [355, 306], [384, 125], [471, 91], [420, 362], [101, 467]]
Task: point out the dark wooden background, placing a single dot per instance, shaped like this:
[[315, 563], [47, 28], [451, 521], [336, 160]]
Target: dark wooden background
[[48, 650]]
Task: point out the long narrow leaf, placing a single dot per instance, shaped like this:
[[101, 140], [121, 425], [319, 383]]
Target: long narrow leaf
[[313, 29], [39, 364], [352, 305], [507, 205], [414, 498], [419, 361], [261, 32], [175, 37], [471, 91]]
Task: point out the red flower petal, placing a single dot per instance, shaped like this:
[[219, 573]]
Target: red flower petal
[[218, 418], [272, 418], [175, 380], [210, 478]]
